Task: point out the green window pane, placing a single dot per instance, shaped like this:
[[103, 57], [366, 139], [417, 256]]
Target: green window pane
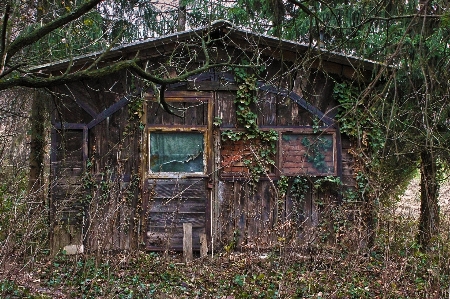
[[176, 152], [310, 154]]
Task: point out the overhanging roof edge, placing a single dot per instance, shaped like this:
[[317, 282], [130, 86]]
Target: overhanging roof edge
[[285, 45]]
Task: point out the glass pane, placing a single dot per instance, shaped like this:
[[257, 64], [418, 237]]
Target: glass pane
[[309, 154], [176, 152]]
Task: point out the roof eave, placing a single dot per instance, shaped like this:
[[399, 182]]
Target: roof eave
[[128, 50]]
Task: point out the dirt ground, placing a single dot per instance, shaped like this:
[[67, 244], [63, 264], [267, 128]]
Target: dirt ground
[[410, 200]]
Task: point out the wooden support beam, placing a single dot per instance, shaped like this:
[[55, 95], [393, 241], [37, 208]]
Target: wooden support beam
[[203, 245], [85, 145], [86, 107], [108, 112], [187, 242], [300, 101]]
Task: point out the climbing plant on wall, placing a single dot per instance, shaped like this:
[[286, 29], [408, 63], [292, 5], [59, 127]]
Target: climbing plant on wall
[[263, 158]]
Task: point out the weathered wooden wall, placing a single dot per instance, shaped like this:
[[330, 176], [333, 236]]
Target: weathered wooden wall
[[94, 166], [106, 196], [248, 215]]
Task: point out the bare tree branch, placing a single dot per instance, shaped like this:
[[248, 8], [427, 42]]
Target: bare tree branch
[[25, 40], [3, 38], [4, 73], [306, 10], [100, 58], [425, 16], [39, 82]]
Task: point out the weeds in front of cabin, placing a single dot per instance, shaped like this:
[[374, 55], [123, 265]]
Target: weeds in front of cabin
[[393, 268], [333, 266]]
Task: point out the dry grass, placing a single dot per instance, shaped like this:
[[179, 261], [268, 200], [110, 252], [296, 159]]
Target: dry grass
[[394, 268]]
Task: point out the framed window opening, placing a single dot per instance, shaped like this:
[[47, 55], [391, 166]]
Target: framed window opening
[[306, 152], [177, 147], [177, 152], [300, 152]]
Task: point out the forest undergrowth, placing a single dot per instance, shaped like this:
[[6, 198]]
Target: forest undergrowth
[[392, 268]]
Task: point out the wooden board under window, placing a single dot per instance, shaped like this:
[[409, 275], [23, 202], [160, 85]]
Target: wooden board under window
[[174, 202]]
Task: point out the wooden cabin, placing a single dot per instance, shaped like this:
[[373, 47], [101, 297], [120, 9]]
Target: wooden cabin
[[237, 154]]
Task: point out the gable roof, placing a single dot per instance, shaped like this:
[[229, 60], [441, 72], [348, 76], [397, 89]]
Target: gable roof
[[232, 32]]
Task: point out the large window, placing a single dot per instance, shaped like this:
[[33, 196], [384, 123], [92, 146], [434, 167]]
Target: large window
[[177, 152], [300, 152]]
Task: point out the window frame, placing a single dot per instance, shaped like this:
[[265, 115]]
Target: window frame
[[174, 174], [311, 132], [279, 152]]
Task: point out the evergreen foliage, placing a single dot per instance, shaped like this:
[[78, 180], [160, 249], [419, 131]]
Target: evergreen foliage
[[401, 122]]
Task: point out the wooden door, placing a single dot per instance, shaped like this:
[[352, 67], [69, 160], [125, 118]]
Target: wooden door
[[67, 211], [178, 167]]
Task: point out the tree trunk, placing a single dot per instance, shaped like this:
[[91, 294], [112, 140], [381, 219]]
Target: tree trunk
[[37, 128], [429, 207], [181, 15], [37, 146]]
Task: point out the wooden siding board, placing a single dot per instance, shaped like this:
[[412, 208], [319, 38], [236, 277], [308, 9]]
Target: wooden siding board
[[226, 109], [267, 109], [182, 188], [194, 205], [193, 112], [66, 168], [173, 203], [227, 211], [269, 201], [176, 218], [178, 108], [251, 218], [282, 111], [154, 113], [69, 126]]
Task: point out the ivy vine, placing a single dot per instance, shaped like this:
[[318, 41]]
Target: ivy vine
[[246, 97], [316, 150], [297, 188], [356, 120], [135, 112]]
